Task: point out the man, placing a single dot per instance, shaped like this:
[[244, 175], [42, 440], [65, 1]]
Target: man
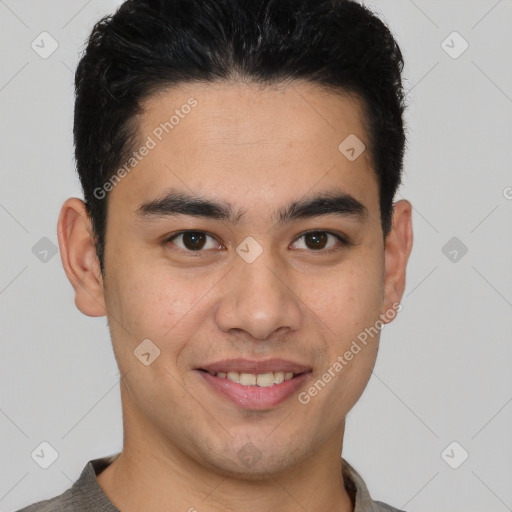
[[239, 160]]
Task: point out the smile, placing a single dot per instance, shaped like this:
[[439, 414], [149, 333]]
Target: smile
[[254, 391], [263, 380]]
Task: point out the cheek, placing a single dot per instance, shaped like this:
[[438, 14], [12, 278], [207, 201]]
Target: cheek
[[353, 306], [348, 300], [151, 302]]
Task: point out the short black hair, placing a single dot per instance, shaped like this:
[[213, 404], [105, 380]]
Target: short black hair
[[150, 45]]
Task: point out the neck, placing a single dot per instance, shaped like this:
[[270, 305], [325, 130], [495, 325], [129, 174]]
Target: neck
[[153, 475]]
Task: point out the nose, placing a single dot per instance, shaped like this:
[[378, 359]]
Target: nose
[[259, 298]]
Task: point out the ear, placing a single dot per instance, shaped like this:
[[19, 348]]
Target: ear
[[78, 255], [396, 254]]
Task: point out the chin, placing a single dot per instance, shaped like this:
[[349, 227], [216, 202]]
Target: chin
[[252, 463]]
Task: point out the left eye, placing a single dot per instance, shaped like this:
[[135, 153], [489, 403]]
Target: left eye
[[318, 240]]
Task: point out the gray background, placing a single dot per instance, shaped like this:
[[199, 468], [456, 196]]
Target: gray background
[[444, 368]]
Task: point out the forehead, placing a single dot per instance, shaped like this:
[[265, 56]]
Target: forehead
[[237, 140]]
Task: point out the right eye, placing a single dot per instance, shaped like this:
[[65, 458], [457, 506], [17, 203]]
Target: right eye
[[193, 241]]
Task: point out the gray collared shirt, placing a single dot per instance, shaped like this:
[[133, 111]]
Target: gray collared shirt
[[86, 495]]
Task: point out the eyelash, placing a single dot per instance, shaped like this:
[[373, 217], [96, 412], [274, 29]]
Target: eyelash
[[342, 240]]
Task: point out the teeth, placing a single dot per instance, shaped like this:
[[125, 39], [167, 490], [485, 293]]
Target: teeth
[[265, 380], [250, 379], [278, 377], [234, 377]]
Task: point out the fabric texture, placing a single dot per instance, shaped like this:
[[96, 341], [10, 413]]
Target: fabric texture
[[86, 495]]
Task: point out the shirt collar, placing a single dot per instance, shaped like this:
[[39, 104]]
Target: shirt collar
[[355, 485]]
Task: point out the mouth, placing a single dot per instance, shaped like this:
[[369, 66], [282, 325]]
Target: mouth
[[255, 385], [262, 380]]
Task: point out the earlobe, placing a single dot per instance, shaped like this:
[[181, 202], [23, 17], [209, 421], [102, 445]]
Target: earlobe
[[396, 254], [78, 255]]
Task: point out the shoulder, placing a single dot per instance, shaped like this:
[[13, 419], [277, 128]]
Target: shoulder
[[85, 495], [384, 507], [61, 503], [356, 486]]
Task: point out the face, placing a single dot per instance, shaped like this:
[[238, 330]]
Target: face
[[249, 275]]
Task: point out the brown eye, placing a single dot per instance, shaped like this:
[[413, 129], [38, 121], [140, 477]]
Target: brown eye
[[319, 241], [316, 240], [194, 241]]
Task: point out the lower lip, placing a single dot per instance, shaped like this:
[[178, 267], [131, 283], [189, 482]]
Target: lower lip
[[255, 397]]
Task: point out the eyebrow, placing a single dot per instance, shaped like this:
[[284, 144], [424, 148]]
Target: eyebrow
[[174, 203]]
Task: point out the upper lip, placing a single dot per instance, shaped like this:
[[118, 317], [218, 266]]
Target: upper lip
[[255, 366]]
